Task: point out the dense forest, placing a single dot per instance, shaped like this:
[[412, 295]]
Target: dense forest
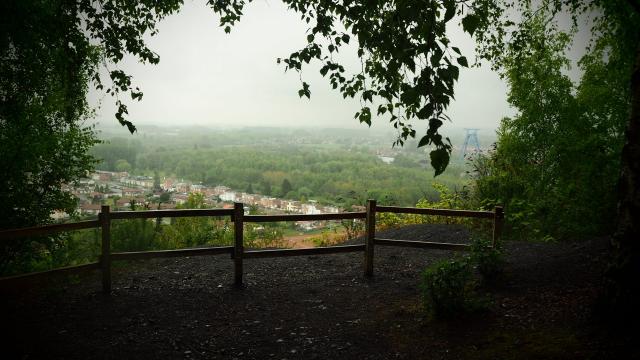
[[332, 166]]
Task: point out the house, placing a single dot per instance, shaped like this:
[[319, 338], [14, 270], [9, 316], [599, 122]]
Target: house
[[219, 190], [99, 175], [293, 206], [180, 198], [167, 184], [113, 193], [197, 188], [144, 181], [209, 192], [132, 192], [267, 202], [277, 203], [310, 208], [182, 187], [90, 209], [331, 209], [228, 196], [251, 199]]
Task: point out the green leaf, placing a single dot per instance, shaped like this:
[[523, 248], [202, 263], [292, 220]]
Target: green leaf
[[368, 95], [434, 124], [436, 56], [305, 91], [424, 141], [345, 38], [365, 116], [455, 72], [463, 61], [310, 38], [450, 7], [439, 160], [470, 23], [426, 111]]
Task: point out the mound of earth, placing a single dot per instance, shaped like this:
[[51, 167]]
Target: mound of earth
[[315, 307]]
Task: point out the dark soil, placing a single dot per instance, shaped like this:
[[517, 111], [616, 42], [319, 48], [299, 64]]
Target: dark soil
[[316, 307]]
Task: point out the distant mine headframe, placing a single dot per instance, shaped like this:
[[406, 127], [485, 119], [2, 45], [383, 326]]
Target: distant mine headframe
[[470, 142]]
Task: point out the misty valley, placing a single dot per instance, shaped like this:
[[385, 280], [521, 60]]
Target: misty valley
[[320, 179], [269, 170]]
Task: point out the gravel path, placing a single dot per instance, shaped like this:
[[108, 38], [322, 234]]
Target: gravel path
[[311, 307]]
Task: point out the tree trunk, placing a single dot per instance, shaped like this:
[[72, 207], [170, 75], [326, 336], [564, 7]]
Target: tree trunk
[[622, 278]]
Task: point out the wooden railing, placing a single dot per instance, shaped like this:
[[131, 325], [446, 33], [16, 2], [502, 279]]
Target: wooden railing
[[237, 251]]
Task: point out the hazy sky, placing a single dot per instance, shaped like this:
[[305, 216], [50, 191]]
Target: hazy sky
[[207, 77]]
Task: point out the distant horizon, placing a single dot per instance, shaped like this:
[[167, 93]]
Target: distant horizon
[[206, 77], [384, 136], [114, 125]]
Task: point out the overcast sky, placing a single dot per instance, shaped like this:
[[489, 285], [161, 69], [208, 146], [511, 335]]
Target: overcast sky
[[207, 77]]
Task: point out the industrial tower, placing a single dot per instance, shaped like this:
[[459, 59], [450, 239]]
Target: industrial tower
[[471, 139]]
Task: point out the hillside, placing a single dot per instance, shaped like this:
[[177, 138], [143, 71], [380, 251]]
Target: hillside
[[316, 307]]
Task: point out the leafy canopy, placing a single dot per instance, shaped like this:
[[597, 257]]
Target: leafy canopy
[[409, 66], [44, 74], [556, 162]]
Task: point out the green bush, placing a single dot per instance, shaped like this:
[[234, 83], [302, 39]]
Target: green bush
[[448, 288], [488, 260]]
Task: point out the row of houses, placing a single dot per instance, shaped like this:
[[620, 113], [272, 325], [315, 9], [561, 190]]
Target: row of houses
[[101, 186], [267, 202]]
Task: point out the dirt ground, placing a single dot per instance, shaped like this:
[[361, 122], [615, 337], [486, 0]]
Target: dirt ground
[[315, 307]]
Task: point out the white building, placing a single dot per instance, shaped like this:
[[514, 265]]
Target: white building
[[310, 209], [228, 196]]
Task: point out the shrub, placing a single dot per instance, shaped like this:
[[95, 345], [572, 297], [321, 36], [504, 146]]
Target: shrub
[[448, 288], [322, 240], [488, 259]]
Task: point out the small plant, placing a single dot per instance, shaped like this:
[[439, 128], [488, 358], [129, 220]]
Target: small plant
[[487, 258], [323, 240], [448, 288]]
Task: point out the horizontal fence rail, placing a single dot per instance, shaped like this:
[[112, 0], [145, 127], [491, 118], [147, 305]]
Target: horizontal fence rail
[[67, 270], [48, 229], [236, 250]]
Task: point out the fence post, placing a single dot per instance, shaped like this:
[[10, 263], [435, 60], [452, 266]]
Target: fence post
[[370, 228], [105, 259], [238, 246], [498, 219]]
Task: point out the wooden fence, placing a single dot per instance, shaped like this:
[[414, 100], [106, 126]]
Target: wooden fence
[[237, 251]]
